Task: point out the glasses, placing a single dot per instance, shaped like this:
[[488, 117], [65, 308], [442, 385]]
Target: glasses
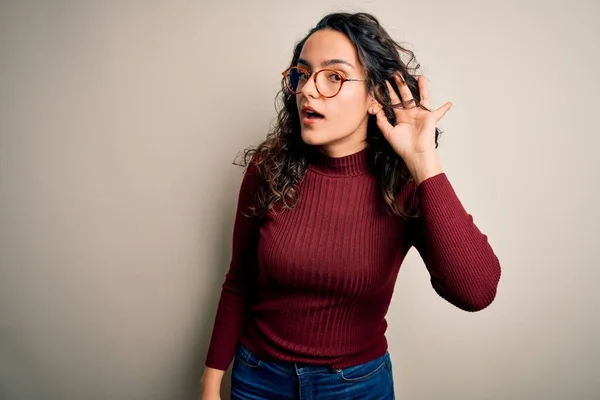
[[328, 82]]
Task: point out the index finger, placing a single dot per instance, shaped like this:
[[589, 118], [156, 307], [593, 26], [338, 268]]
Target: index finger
[[423, 91]]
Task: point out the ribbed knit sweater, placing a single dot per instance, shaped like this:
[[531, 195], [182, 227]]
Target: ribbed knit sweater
[[313, 284]]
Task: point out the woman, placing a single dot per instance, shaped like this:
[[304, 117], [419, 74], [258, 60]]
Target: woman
[[345, 184]]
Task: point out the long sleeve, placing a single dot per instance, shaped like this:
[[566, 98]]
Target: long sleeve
[[238, 288], [463, 267]]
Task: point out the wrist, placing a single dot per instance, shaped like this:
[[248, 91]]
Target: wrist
[[209, 391], [424, 167]]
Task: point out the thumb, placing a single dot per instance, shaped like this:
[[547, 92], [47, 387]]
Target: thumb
[[440, 112]]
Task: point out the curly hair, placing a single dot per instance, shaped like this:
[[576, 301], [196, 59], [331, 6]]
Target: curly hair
[[281, 160]]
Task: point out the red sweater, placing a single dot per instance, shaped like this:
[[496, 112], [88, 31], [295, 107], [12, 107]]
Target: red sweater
[[313, 284]]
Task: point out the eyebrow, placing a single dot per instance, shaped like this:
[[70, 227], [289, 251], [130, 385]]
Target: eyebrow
[[326, 63]]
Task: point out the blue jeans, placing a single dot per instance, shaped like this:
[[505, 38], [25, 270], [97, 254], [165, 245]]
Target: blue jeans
[[253, 379]]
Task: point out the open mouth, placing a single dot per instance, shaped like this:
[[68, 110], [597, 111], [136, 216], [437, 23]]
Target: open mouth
[[312, 115]]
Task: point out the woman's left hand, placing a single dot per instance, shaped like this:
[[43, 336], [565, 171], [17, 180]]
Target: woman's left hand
[[413, 137]]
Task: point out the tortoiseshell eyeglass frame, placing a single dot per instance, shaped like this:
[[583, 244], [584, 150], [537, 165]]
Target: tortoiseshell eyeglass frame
[[314, 75]]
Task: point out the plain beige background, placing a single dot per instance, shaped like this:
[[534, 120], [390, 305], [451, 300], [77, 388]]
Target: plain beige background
[[119, 121]]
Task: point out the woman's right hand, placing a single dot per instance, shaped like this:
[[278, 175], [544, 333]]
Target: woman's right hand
[[210, 384]]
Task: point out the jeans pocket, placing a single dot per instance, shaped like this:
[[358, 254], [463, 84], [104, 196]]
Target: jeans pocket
[[247, 357], [363, 371]]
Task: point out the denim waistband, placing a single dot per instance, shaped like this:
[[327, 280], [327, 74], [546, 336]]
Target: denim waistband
[[301, 368]]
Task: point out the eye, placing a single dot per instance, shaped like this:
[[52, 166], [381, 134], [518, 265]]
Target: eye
[[301, 75], [334, 77]]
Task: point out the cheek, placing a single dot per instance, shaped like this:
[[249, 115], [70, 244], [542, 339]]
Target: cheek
[[350, 108]]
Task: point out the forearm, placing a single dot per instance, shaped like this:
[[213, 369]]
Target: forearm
[[229, 321], [463, 266]]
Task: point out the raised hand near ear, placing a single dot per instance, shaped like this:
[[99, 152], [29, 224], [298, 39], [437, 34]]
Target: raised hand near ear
[[413, 136]]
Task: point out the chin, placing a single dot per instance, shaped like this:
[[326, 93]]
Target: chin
[[314, 138]]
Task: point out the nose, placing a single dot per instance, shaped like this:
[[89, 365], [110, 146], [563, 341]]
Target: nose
[[310, 88]]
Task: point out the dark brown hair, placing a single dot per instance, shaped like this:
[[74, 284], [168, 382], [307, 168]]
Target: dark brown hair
[[280, 161]]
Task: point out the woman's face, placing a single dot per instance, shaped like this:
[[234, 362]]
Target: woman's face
[[343, 128]]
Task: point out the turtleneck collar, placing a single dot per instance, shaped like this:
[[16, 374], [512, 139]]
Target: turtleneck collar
[[350, 165]]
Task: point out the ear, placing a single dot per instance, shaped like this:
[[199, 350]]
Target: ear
[[373, 104]]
